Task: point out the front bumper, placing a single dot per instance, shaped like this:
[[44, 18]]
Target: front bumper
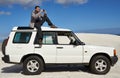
[[6, 59], [114, 59]]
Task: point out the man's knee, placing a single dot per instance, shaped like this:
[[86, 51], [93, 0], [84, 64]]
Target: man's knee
[[44, 17]]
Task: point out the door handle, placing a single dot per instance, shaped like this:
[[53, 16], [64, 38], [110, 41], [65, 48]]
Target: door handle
[[59, 47]]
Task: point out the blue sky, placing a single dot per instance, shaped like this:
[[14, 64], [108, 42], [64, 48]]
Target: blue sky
[[77, 15]]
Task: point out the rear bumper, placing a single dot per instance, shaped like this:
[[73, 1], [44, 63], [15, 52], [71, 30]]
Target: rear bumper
[[114, 59], [6, 59]]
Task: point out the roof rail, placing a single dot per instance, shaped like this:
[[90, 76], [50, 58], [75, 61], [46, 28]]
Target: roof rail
[[22, 28]]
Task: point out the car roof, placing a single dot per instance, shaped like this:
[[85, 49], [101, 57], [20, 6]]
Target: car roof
[[43, 29]]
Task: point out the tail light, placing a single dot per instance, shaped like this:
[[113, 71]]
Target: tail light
[[6, 41], [115, 52], [4, 45]]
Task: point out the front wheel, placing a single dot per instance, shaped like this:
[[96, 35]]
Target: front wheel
[[100, 64], [33, 65]]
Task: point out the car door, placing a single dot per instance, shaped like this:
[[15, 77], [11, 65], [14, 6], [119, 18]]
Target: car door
[[67, 51], [48, 48]]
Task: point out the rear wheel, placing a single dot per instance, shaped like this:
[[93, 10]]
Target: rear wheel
[[100, 65], [33, 65]]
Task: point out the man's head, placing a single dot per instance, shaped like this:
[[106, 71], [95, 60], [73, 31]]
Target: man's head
[[37, 8]]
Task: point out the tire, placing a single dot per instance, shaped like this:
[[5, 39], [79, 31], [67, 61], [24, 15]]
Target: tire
[[100, 65], [4, 45], [33, 65]]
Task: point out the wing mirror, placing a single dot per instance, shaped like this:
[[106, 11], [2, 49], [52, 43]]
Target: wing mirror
[[76, 42]]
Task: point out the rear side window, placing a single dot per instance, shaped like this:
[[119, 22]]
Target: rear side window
[[48, 37], [22, 37]]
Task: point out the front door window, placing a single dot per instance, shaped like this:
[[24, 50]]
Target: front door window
[[65, 38]]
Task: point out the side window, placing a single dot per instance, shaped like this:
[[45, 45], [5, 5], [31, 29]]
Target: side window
[[65, 38], [22, 37], [48, 37]]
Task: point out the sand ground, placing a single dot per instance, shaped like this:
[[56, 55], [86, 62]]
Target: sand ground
[[15, 71]]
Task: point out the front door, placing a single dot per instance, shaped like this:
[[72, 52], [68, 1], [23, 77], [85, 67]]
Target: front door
[[67, 51]]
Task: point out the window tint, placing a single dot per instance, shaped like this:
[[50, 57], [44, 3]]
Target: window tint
[[48, 38], [22, 37]]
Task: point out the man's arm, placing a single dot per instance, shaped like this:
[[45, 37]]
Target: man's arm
[[36, 15]]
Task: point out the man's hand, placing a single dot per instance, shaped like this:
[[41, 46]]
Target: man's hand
[[43, 10]]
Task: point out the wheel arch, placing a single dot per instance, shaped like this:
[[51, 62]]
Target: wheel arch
[[28, 55], [103, 54]]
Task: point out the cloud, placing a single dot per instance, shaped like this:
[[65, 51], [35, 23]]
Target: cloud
[[5, 13], [29, 3], [21, 2], [64, 2]]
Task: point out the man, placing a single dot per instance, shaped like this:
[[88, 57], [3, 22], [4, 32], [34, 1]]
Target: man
[[38, 17]]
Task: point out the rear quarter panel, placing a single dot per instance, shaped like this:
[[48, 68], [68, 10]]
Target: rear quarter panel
[[17, 51]]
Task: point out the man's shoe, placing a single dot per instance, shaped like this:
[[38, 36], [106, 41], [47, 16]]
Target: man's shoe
[[40, 46], [53, 26], [40, 43]]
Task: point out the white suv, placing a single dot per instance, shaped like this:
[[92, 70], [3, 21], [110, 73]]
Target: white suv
[[60, 46]]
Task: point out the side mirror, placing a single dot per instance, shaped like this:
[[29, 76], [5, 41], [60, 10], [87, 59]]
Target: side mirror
[[82, 43], [78, 43]]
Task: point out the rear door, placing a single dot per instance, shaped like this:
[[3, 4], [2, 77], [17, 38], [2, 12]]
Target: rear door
[[48, 48]]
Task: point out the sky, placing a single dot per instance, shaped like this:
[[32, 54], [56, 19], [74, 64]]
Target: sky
[[77, 15]]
